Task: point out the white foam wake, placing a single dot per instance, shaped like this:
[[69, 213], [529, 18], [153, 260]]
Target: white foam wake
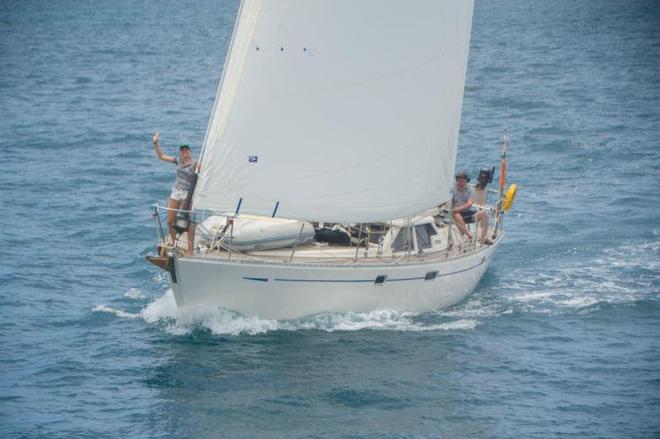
[[114, 311], [135, 294], [619, 275], [164, 313]]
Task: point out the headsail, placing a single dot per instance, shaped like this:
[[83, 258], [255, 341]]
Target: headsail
[[344, 110]]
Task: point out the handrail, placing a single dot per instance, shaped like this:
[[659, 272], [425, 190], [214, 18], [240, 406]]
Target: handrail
[[221, 239]]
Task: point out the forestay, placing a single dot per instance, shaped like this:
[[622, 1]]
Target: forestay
[[344, 110]]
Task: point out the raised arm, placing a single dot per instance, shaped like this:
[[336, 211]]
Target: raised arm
[[159, 152]]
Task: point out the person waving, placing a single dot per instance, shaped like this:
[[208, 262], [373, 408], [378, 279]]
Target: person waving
[[186, 167]]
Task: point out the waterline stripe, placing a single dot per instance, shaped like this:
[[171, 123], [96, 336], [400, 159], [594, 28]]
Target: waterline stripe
[[259, 279], [323, 280], [403, 279]]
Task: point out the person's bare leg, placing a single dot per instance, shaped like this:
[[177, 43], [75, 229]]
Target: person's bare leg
[[483, 221], [482, 217], [458, 220], [171, 216]]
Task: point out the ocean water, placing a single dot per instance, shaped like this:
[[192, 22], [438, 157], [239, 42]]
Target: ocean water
[[561, 338]]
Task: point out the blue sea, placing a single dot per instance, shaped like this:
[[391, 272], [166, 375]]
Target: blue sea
[[561, 338]]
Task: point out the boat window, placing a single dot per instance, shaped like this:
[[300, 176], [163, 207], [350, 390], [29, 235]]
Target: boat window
[[401, 241], [376, 231], [424, 233]]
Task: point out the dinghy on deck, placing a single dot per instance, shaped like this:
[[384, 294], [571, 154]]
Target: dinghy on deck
[[248, 232]]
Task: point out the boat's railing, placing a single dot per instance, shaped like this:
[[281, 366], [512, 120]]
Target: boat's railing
[[368, 240], [359, 234], [161, 232]]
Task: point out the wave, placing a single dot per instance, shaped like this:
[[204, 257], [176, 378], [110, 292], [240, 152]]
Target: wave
[[117, 312], [163, 312], [620, 275]]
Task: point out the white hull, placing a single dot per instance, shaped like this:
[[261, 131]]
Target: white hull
[[283, 291]]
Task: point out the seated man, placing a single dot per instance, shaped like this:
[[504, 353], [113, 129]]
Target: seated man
[[462, 211]]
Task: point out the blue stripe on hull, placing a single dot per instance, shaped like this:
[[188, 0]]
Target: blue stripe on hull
[[325, 280], [403, 279]]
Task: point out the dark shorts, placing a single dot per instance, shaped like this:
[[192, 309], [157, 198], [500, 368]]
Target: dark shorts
[[468, 216]]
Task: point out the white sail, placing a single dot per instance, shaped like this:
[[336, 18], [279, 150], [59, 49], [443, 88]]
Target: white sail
[[344, 111]]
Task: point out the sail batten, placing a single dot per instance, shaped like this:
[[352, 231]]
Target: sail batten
[[344, 111]]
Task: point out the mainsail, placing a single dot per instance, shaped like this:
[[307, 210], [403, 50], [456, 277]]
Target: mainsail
[[344, 111]]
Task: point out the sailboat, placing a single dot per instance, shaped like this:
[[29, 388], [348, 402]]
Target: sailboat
[[328, 163]]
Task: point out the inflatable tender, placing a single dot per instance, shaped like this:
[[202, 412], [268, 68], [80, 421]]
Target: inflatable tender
[[256, 233]]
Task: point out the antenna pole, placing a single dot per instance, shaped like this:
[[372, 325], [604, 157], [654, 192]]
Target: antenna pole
[[295, 244], [500, 210], [357, 247]]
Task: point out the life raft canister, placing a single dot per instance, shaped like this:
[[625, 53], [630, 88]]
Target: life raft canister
[[509, 197]]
